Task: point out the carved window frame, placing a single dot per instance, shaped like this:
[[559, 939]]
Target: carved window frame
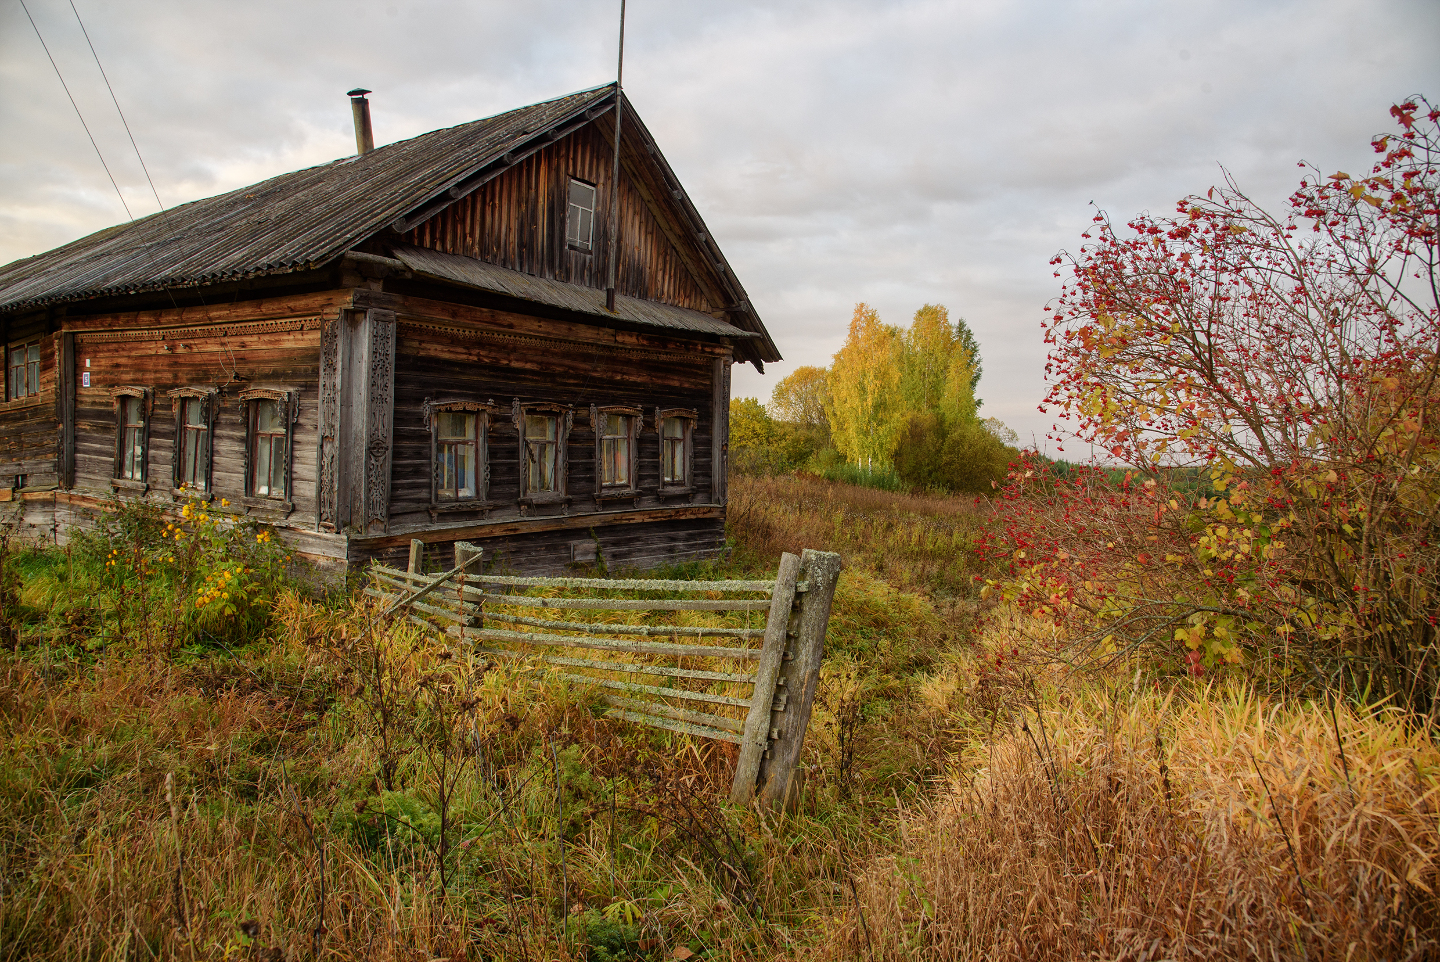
[[288, 402], [29, 368], [636, 418], [565, 419], [691, 419], [209, 399], [482, 411], [117, 397]]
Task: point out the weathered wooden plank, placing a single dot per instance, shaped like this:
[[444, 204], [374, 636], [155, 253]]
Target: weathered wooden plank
[[662, 710], [802, 678], [625, 584], [767, 674], [436, 611], [605, 644], [579, 522], [652, 721], [607, 628], [634, 668], [655, 691], [628, 604]]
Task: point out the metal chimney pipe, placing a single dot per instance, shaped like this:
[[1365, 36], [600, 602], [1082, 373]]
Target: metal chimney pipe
[[364, 135]]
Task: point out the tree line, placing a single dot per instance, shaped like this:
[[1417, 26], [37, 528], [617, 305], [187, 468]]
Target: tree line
[[896, 408]]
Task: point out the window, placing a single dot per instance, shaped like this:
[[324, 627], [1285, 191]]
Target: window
[[676, 427], [542, 450], [580, 220], [130, 433], [459, 454], [24, 373], [615, 443], [267, 433], [269, 416], [544, 430], [194, 410]]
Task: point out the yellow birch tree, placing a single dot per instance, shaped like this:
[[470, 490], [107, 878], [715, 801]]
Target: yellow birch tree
[[864, 390]]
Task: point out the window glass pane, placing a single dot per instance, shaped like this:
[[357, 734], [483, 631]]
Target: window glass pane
[[262, 468], [615, 461], [464, 470], [581, 217], [456, 425], [540, 427], [277, 467], [194, 411], [267, 416], [674, 428]]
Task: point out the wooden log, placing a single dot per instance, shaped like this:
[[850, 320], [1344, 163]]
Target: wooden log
[[767, 673], [801, 676]]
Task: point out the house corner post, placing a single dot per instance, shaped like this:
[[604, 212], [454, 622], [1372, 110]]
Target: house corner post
[[720, 430], [65, 407], [756, 737], [800, 676]]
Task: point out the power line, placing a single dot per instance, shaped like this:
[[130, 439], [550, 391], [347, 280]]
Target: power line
[[77, 111], [117, 105]]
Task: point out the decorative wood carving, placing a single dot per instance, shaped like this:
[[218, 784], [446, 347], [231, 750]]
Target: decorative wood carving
[[379, 419], [326, 482]]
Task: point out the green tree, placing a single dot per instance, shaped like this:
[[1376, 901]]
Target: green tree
[[799, 399], [864, 390], [750, 425], [928, 347]]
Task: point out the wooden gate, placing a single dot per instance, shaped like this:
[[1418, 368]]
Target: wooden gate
[[733, 661]]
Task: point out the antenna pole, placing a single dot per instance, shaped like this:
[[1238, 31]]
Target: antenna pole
[[615, 174]]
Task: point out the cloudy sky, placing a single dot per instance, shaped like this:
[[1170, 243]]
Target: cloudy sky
[[896, 153]]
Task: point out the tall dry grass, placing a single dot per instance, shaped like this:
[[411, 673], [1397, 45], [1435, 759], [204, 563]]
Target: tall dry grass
[[913, 541], [1119, 825]]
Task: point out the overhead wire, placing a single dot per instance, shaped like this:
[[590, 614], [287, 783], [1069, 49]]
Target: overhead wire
[[116, 101], [63, 84]]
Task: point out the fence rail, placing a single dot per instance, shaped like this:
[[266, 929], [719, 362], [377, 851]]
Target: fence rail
[[717, 682]]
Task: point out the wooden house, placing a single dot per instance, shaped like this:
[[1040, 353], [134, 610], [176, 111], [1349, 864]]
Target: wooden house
[[412, 342]]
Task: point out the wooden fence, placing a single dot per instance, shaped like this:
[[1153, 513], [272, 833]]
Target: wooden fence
[[733, 661]]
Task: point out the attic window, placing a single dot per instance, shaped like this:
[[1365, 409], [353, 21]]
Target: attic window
[[580, 221]]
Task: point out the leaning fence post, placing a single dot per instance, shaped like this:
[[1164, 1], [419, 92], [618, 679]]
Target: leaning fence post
[[465, 552], [800, 676], [772, 654], [417, 557]]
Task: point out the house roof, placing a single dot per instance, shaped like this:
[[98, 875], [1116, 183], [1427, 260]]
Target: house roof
[[470, 272], [307, 219]]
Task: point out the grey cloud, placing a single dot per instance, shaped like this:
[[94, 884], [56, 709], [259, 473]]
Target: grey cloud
[[897, 153]]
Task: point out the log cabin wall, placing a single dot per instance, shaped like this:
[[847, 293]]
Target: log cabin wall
[[29, 424], [274, 354], [486, 357], [518, 221]]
